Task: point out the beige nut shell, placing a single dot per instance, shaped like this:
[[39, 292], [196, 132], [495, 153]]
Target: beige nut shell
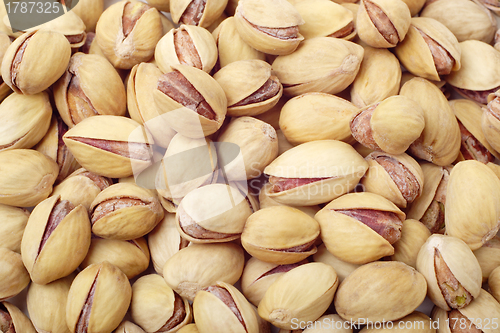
[[14, 275], [14, 221], [21, 322], [413, 235], [213, 9], [342, 268]]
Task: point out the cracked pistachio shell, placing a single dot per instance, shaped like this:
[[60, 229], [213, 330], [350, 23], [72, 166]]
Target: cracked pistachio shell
[[253, 15], [168, 48], [183, 119], [113, 217], [342, 268], [265, 201], [231, 47], [154, 303], [218, 209], [415, 54], [47, 305], [101, 294], [303, 294], [24, 120], [85, 90], [466, 19], [70, 25], [124, 49], [45, 246], [378, 179], [396, 288], [316, 116], [378, 78], [461, 262], [212, 9], [398, 15], [29, 180], [413, 235], [120, 152], [244, 79], [472, 203], [488, 257], [321, 64], [131, 257], [349, 239], [20, 321], [213, 315], [14, 221], [141, 105], [128, 327], [89, 11], [201, 265], [35, 71], [325, 18], [270, 232], [477, 75], [416, 322], [13, 274], [439, 142], [340, 166]]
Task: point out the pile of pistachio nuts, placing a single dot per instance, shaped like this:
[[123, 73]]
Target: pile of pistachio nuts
[[225, 166]]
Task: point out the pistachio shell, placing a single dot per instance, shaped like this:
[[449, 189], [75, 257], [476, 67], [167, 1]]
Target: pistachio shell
[[211, 10], [483, 309], [89, 11], [265, 201], [12, 227], [488, 257], [128, 327], [413, 236], [327, 323], [415, 6], [342, 268], [416, 322], [70, 25], [20, 321], [494, 283], [14, 276]]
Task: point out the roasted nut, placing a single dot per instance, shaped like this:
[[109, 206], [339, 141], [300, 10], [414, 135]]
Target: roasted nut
[[413, 235], [196, 12], [342, 268], [13, 275]]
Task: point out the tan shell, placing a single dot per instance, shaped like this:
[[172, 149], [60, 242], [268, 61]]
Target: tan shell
[[325, 324], [349, 239], [213, 9], [415, 6], [321, 64], [272, 117], [494, 283], [472, 203], [28, 181], [24, 120], [488, 257], [89, 11], [378, 78], [270, 232], [12, 227], [21, 322], [128, 327], [396, 288], [265, 201], [72, 235], [283, 144], [460, 260], [440, 139], [303, 294], [413, 235], [342, 268], [161, 5], [416, 322], [201, 265], [316, 116], [69, 24], [14, 276]]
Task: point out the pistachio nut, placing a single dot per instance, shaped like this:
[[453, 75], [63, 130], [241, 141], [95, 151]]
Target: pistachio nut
[[259, 275], [429, 208], [396, 288], [266, 201], [413, 235], [28, 71], [275, 32], [383, 23], [131, 256], [110, 146], [390, 126], [321, 64], [47, 305], [196, 12], [156, 307], [231, 47], [24, 120], [466, 19], [488, 256], [314, 172], [140, 103], [439, 142], [27, 177], [416, 322], [472, 203], [316, 116], [429, 49], [13, 275], [494, 167], [85, 89], [360, 227], [187, 45], [494, 283], [342, 268], [14, 320], [193, 103], [98, 299], [398, 178], [127, 33], [251, 87], [56, 239], [280, 235], [303, 293], [70, 25], [382, 67], [14, 221], [452, 271], [165, 241], [89, 11], [125, 211], [128, 327], [81, 187], [490, 121], [415, 6], [201, 265], [221, 307]]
